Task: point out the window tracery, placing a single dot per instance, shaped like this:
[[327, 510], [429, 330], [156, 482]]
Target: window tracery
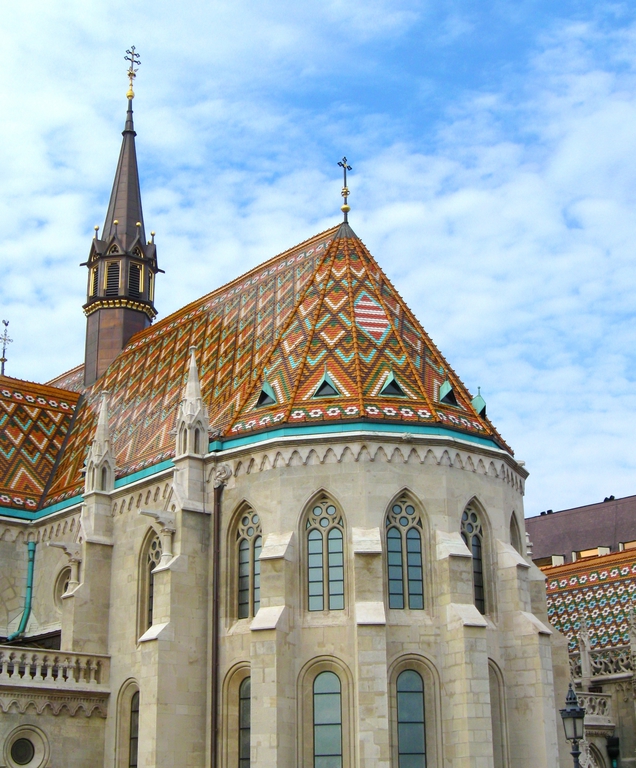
[[249, 538], [473, 536], [404, 556], [325, 557]]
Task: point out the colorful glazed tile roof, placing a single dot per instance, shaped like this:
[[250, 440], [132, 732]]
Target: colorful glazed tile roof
[[34, 420], [73, 380], [322, 311], [597, 593]]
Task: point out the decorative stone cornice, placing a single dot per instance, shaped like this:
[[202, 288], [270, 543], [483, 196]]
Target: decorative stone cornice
[[104, 303], [34, 700], [380, 450]]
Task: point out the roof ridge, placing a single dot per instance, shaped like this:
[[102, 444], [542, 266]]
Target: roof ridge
[[367, 255], [33, 385], [206, 296], [433, 347], [278, 339]]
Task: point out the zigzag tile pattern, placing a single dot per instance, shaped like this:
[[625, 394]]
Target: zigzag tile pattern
[[34, 420], [323, 307], [233, 329]]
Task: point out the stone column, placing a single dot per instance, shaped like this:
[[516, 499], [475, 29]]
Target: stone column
[[371, 651], [274, 706], [466, 688], [526, 645]]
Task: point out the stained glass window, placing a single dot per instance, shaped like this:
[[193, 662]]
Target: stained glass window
[[405, 568], [249, 541], [325, 557], [472, 534]]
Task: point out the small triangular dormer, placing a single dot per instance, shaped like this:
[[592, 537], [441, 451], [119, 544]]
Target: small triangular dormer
[[392, 387], [479, 404], [267, 396], [447, 395], [326, 387]]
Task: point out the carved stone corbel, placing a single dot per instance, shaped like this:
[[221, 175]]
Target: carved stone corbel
[[168, 528], [73, 552], [222, 474]]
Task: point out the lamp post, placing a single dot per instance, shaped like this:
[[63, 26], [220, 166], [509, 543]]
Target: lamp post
[[573, 723]]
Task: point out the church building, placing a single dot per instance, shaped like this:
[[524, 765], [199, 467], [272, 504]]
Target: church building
[[271, 530]]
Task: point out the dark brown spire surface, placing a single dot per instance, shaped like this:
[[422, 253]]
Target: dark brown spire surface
[[125, 199]]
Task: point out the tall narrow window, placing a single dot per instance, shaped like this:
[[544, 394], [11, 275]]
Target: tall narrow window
[[327, 721], [325, 557], [410, 717], [404, 556], [112, 278], [472, 534], [154, 556], [249, 544], [134, 280], [515, 535], [133, 739], [245, 722], [497, 716], [94, 280]]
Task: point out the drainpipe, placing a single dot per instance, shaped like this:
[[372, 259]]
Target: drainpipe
[[216, 555], [29, 595]]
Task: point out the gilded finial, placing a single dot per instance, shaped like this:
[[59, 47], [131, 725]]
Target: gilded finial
[[133, 57], [345, 190]]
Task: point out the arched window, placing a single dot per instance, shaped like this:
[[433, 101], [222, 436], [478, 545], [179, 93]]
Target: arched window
[[249, 543], [472, 534], [404, 556], [183, 440], [149, 559], [498, 716], [133, 738], [245, 722], [325, 557], [515, 535], [410, 720], [327, 711], [197, 440], [104, 478]]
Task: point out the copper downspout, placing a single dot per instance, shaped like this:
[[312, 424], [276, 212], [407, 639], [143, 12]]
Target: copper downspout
[[216, 570]]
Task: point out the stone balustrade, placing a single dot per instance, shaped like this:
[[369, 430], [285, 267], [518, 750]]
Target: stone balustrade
[[607, 663], [598, 709], [59, 670]]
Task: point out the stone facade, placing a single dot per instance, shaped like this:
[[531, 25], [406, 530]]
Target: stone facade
[[479, 671]]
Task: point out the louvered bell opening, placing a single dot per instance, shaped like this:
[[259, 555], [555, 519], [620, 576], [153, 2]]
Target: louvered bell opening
[[94, 281], [112, 279], [134, 281]]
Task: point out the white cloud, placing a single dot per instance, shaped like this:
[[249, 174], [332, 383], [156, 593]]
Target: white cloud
[[509, 229]]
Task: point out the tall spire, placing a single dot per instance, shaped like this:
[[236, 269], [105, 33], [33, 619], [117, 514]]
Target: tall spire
[[122, 264], [125, 199]]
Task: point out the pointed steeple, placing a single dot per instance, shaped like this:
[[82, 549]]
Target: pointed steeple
[[100, 464], [125, 199], [192, 419], [122, 264]]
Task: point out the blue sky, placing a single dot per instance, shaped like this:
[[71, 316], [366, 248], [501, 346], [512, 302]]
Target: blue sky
[[494, 155]]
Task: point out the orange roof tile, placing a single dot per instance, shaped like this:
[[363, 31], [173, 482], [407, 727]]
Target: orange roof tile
[[322, 307]]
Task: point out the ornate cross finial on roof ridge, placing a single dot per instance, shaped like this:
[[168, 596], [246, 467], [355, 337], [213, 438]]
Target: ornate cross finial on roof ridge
[[5, 341], [345, 190], [133, 57]]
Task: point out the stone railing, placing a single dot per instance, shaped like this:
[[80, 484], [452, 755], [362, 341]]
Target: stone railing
[[607, 663], [60, 670], [598, 708], [575, 665], [611, 661]]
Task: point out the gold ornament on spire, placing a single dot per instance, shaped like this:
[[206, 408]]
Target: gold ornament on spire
[[345, 190], [133, 57]]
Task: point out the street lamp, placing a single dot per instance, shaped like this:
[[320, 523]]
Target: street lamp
[[573, 718]]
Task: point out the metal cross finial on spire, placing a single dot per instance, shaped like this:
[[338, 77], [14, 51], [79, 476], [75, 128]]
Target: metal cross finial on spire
[[5, 340], [345, 190], [133, 57]]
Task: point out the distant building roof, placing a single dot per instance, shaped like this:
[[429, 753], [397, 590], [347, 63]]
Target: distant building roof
[[606, 524], [596, 594]]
